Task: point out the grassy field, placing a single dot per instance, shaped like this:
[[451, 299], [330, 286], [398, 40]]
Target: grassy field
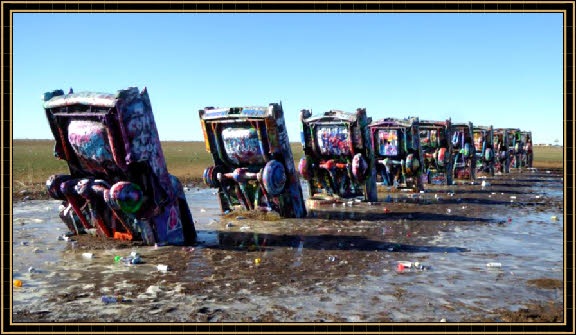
[[33, 162]]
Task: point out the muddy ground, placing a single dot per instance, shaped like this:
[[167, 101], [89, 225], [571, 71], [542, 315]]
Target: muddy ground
[[337, 265]]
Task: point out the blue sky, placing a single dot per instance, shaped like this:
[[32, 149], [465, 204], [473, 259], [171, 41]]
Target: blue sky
[[503, 69]]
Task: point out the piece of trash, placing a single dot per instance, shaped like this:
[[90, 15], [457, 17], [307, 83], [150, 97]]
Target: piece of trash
[[229, 224], [554, 218], [244, 228], [443, 320], [257, 261], [111, 300], [132, 259], [240, 218], [227, 211], [404, 264], [37, 250], [117, 258], [485, 183], [494, 265], [509, 220], [87, 254], [448, 211], [162, 267], [202, 210], [24, 243], [334, 205], [18, 283], [155, 245], [512, 197], [331, 258], [386, 210], [422, 192], [31, 269], [400, 267]]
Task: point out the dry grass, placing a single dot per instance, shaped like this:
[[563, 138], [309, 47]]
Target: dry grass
[[33, 162], [548, 157]]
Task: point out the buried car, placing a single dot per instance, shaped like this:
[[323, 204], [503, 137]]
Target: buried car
[[396, 144], [515, 147], [463, 151], [118, 184], [484, 145], [501, 152], [338, 159], [436, 150], [527, 153], [253, 163]]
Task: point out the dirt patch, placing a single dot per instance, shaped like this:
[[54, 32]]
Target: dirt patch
[[546, 283], [550, 312], [96, 242], [252, 215]]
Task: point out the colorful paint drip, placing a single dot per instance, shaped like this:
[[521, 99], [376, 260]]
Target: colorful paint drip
[[118, 181]]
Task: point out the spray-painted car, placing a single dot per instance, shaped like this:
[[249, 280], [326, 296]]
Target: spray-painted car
[[436, 150], [253, 163], [484, 145], [118, 183], [527, 151], [501, 152], [338, 157], [515, 147], [397, 151], [463, 151]]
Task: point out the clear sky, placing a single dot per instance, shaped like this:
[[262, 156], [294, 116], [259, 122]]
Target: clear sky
[[503, 69]]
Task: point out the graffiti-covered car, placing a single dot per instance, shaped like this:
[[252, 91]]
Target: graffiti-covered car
[[501, 152], [463, 151], [515, 148], [484, 145], [338, 157], [253, 163], [118, 183], [527, 150], [397, 152], [436, 150]]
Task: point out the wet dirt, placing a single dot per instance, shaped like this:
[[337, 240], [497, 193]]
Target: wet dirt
[[338, 265]]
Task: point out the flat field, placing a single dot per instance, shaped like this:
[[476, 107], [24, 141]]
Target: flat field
[[33, 162]]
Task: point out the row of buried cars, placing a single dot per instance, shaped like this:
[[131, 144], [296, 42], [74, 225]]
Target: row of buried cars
[[119, 185]]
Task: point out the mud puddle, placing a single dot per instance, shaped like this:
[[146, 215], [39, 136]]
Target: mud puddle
[[340, 264]]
